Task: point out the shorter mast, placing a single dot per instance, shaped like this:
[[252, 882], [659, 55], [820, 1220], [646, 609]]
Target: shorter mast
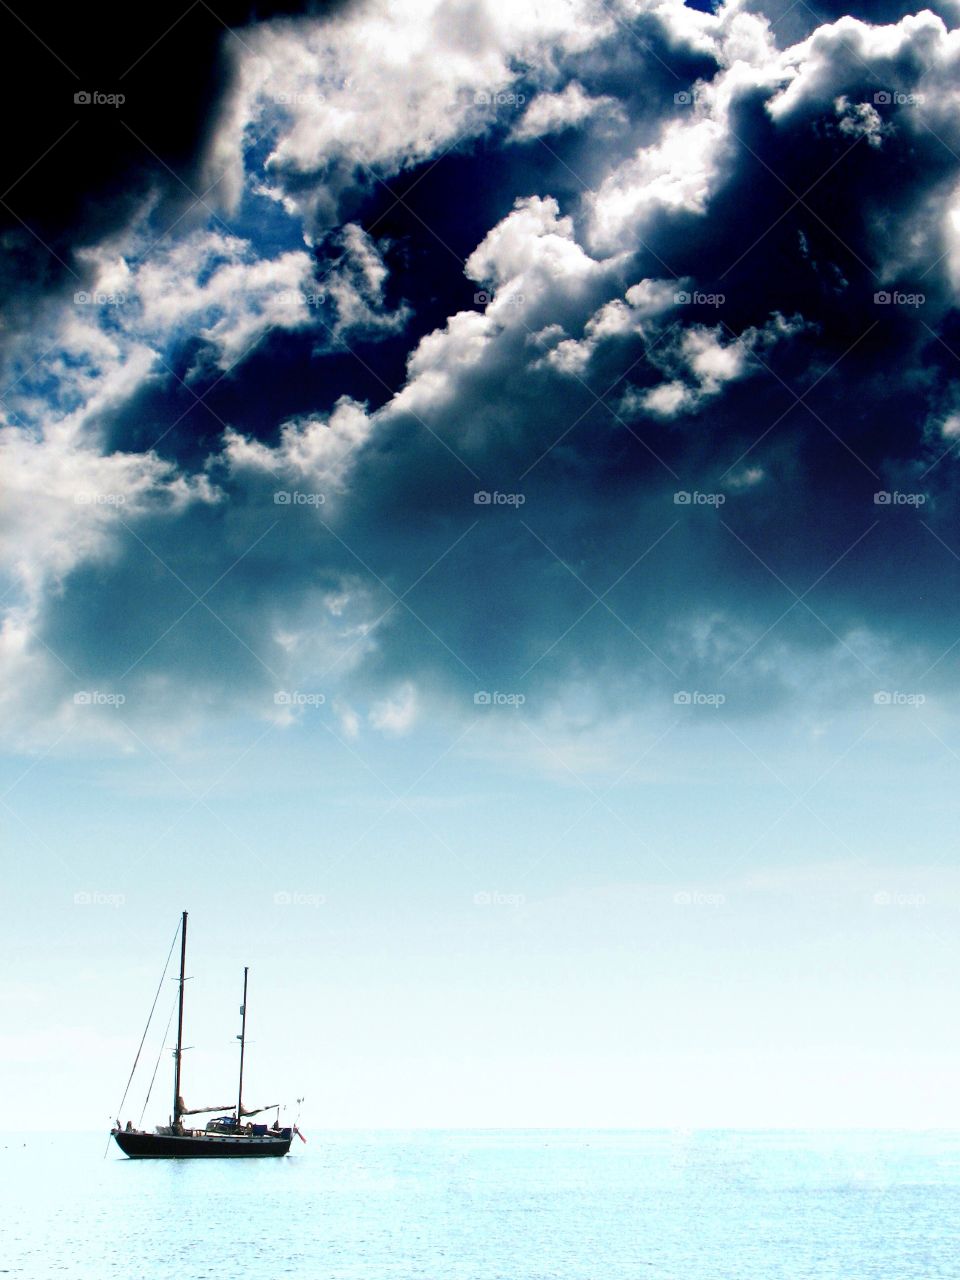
[[242, 1038], [179, 1050]]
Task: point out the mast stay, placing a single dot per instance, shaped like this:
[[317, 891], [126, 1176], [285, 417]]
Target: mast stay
[[166, 966]]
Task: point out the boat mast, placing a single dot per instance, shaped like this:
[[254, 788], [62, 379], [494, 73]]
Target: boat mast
[[243, 1039], [179, 1050]]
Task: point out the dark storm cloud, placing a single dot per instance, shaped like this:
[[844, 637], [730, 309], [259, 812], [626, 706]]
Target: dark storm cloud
[[74, 171], [687, 473]]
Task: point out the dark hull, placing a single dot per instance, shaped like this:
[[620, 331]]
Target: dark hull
[[163, 1146]]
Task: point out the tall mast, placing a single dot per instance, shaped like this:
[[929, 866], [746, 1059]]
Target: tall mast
[[179, 1050], [243, 1040]]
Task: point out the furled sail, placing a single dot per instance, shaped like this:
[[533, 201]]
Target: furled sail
[[224, 1106]]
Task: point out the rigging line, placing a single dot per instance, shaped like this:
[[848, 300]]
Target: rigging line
[[149, 1020], [163, 1042]]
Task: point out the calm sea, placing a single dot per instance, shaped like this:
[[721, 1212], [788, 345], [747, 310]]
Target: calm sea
[[493, 1206]]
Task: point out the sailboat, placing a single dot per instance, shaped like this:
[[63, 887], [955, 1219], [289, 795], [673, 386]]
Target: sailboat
[[225, 1135]]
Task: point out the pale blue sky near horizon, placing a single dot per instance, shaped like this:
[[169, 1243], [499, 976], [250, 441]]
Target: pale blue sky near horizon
[[515, 942]]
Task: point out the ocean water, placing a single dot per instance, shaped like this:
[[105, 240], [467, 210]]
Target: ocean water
[[488, 1205]]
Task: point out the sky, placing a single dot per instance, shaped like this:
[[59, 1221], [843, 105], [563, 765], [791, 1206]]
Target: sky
[[479, 531]]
